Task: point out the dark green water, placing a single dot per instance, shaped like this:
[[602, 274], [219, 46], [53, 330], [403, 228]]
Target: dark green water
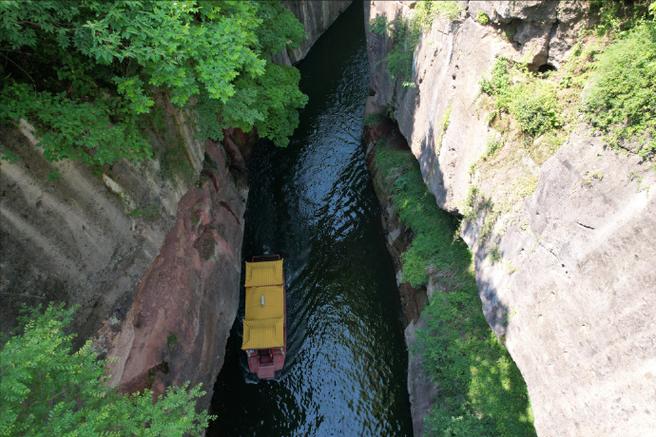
[[313, 203]]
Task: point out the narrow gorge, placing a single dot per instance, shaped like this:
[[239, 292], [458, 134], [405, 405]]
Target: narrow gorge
[[462, 192]]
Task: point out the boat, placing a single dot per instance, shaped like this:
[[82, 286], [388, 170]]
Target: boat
[[265, 337]]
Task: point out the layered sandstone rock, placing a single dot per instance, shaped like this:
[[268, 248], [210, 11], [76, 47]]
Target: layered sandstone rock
[[570, 288], [185, 304], [84, 237], [150, 258]]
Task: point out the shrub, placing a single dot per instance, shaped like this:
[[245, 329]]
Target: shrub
[[427, 11], [47, 389], [535, 107], [532, 102], [622, 97], [94, 67], [482, 18], [378, 25], [493, 146], [405, 37], [406, 32], [431, 246], [481, 389], [500, 79], [74, 129]]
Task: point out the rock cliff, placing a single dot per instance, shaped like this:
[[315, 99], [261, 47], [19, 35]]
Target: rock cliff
[[421, 390], [149, 252], [150, 259], [185, 304], [563, 243], [316, 16], [85, 237]]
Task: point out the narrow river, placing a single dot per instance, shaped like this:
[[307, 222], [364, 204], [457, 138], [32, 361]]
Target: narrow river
[[313, 203]]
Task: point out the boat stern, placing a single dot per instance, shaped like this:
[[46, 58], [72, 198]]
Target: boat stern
[[264, 363]]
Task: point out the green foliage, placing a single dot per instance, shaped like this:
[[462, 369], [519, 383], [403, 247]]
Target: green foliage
[[440, 422], [73, 129], [47, 389], [280, 99], [446, 119], [175, 162], [495, 255], [444, 125], [405, 33], [176, 44], [405, 37], [499, 82], [482, 18], [149, 212], [617, 16], [622, 97], [481, 390], [426, 11], [535, 107], [171, 341], [279, 28], [54, 176], [373, 119], [431, 246], [208, 112], [378, 25], [7, 154], [531, 101], [492, 147], [93, 67]]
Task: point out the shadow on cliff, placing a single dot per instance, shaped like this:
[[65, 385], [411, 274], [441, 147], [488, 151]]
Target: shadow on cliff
[[477, 383], [477, 228], [476, 379]]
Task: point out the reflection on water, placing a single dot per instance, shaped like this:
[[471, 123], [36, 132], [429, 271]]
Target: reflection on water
[[313, 203]]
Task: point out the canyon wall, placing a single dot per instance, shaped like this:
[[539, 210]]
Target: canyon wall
[[316, 16], [83, 236], [186, 301], [149, 252], [421, 390], [563, 244]]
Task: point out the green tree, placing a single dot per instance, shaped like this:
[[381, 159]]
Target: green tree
[[47, 389], [109, 59]]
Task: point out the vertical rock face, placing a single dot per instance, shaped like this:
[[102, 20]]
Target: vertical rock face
[[72, 235], [574, 291], [449, 62], [185, 304], [150, 252], [316, 16], [421, 390], [151, 259]]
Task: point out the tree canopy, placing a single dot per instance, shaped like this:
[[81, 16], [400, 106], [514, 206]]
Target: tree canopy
[[46, 389], [85, 72]]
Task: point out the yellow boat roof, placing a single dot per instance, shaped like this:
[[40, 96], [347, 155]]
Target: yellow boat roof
[[264, 273], [264, 320]]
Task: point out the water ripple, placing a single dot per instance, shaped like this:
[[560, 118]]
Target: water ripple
[[313, 202]]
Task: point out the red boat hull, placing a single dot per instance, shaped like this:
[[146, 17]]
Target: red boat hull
[[266, 362]]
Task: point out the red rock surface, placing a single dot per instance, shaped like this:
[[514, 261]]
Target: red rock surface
[[180, 318]]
